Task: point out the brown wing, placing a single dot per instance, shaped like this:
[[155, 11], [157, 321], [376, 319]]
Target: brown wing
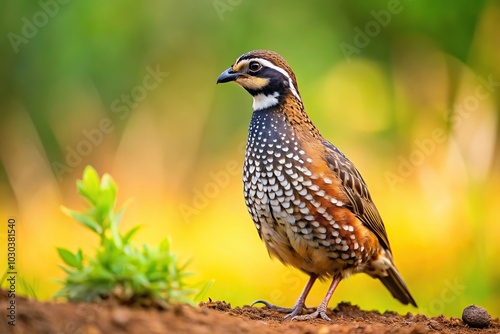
[[355, 188]]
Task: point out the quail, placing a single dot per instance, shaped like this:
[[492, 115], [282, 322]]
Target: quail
[[310, 205]]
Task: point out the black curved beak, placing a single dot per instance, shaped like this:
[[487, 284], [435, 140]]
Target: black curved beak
[[228, 75]]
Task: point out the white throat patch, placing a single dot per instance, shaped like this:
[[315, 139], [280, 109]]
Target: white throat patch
[[262, 101]]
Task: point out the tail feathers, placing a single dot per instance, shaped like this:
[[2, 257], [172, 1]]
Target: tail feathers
[[396, 285]]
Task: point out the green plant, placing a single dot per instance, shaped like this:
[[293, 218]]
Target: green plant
[[119, 269]]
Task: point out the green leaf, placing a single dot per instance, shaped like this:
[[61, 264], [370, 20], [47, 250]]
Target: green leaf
[[67, 270], [84, 219], [117, 238], [118, 216], [107, 197], [102, 274], [69, 258], [141, 280], [79, 254], [130, 233], [108, 185], [203, 290], [164, 245], [88, 187]]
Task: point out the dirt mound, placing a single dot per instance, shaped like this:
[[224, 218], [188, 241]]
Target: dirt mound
[[213, 317]]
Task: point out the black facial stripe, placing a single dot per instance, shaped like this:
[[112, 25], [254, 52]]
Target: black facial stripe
[[277, 81]]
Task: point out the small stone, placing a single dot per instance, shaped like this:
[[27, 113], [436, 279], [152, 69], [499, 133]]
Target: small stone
[[476, 316], [121, 317]]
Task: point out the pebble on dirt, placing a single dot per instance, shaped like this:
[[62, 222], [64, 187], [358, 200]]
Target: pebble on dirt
[[476, 316]]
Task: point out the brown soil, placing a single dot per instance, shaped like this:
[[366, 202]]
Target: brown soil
[[213, 317]]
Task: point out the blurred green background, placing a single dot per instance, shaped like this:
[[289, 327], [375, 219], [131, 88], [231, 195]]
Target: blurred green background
[[409, 90]]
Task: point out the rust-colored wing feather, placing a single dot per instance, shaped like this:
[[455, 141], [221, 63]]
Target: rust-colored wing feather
[[355, 188]]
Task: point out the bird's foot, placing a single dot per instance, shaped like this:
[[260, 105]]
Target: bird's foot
[[272, 307], [292, 312], [319, 313]]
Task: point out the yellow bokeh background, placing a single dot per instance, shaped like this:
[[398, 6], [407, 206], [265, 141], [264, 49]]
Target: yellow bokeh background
[[413, 110]]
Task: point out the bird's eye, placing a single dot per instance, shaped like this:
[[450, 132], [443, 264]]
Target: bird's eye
[[254, 66]]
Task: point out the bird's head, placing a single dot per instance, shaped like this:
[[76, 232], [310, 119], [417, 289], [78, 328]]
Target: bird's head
[[265, 75]]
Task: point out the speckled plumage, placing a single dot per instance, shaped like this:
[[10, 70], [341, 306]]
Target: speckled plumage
[[309, 203]]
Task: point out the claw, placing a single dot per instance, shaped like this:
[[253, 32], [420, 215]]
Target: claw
[[274, 307], [262, 301], [314, 315], [292, 312], [295, 312]]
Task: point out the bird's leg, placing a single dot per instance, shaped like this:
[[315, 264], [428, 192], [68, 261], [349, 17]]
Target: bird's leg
[[299, 304], [321, 310]]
